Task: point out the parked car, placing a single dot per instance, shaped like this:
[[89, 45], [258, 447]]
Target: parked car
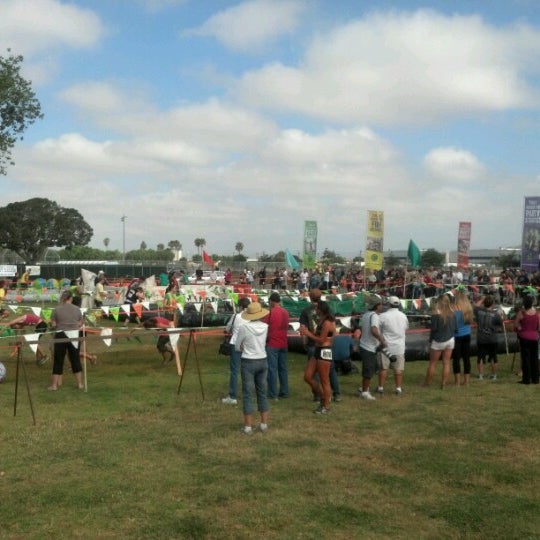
[[208, 276]]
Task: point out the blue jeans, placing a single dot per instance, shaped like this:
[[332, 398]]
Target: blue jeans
[[234, 367], [277, 369], [254, 381]]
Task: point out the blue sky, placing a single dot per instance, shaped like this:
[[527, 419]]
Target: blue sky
[[238, 121]]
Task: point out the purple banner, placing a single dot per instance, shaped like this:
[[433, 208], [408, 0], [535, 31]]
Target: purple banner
[[530, 242]]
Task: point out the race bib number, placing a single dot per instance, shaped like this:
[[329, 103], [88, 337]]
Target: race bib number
[[326, 354]]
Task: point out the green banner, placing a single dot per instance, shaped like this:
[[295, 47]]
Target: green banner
[[310, 244]]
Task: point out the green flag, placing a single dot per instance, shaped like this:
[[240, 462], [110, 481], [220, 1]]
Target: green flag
[[414, 254]]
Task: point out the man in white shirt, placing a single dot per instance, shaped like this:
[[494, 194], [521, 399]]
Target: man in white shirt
[[394, 326]]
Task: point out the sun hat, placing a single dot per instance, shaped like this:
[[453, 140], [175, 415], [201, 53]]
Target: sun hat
[[254, 312], [394, 301]]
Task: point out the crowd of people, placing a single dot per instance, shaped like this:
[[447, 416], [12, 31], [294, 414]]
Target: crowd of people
[[259, 336], [380, 339]]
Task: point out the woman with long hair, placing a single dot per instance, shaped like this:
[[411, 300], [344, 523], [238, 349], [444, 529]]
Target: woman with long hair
[[441, 339], [527, 326], [321, 362], [462, 339]]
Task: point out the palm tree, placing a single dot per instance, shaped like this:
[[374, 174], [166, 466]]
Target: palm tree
[[174, 245], [143, 245], [160, 247], [239, 247], [106, 242], [200, 242]]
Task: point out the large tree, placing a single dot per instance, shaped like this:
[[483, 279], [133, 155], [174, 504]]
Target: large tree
[[30, 227], [19, 107]]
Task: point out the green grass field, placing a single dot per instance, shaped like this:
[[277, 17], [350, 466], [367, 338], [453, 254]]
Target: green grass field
[[132, 458]]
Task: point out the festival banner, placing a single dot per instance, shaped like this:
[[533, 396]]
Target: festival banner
[[374, 244], [464, 244], [530, 242], [310, 244]]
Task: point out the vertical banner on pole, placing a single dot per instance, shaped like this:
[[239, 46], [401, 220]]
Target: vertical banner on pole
[[530, 242], [310, 244], [374, 244], [464, 244]]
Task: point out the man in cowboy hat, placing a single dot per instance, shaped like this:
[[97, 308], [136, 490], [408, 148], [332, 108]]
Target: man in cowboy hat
[[251, 342]]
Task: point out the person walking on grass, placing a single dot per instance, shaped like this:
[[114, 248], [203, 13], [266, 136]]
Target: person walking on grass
[[251, 343], [321, 362], [394, 325], [67, 320], [441, 339], [233, 325]]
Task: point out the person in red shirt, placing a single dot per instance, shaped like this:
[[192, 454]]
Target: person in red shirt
[[276, 348], [31, 319], [163, 345]]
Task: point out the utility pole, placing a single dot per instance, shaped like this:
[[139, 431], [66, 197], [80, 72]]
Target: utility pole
[[123, 220]]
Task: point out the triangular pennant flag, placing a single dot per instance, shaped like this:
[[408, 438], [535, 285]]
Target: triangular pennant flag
[[105, 310], [74, 336], [428, 301], [36, 311], [173, 337], [106, 332], [126, 308], [214, 306], [146, 305], [346, 322], [46, 313], [339, 297], [181, 308], [198, 306], [13, 307], [137, 308], [32, 337], [264, 299], [295, 326], [115, 311], [403, 303]]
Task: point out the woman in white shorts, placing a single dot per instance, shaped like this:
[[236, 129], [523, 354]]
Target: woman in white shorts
[[441, 339]]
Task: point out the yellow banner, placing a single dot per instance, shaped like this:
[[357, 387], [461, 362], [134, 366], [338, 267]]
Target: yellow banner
[[374, 245]]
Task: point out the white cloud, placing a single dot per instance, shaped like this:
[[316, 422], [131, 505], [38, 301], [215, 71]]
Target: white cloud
[[30, 27], [252, 24], [454, 165], [394, 68]]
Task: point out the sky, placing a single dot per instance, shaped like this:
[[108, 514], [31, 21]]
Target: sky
[[238, 121]]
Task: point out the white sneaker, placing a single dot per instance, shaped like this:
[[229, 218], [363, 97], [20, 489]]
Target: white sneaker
[[263, 428], [229, 401], [399, 391], [380, 390], [367, 395], [247, 430]]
